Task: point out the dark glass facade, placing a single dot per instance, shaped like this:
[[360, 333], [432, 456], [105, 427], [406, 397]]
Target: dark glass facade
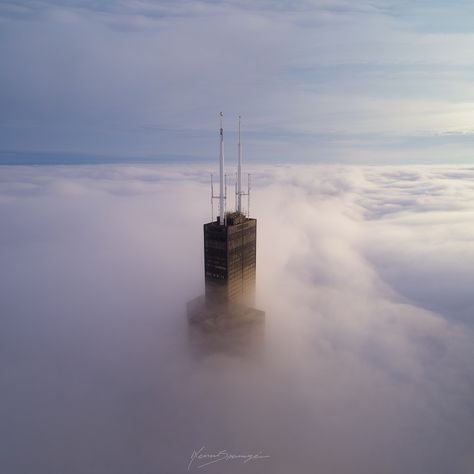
[[230, 254]]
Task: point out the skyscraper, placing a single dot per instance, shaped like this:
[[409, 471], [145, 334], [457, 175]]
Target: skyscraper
[[230, 260], [230, 250]]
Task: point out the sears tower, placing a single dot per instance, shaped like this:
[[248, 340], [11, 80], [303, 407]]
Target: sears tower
[[230, 250]]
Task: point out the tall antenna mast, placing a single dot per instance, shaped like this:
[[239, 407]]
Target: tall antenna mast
[[239, 174], [221, 176], [212, 199]]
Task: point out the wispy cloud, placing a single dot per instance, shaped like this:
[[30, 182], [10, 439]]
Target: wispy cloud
[[89, 76]]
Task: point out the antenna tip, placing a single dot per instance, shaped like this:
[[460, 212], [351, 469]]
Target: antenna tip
[[221, 114]]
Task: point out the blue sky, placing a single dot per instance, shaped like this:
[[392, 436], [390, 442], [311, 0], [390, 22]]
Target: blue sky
[[316, 81]]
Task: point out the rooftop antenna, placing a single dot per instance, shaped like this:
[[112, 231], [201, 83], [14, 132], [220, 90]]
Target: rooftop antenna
[[239, 174], [248, 194], [225, 199], [222, 196], [221, 176], [212, 198]]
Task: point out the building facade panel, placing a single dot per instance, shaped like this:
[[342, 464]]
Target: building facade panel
[[230, 260]]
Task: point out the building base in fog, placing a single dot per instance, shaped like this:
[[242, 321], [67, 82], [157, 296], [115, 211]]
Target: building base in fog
[[236, 328], [221, 317]]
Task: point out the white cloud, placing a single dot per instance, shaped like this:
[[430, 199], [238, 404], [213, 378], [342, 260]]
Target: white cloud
[[131, 78], [365, 274]]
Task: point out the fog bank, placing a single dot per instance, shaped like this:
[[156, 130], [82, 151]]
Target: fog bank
[[365, 274]]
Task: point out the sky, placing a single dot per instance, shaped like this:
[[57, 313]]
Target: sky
[[332, 81], [365, 274]]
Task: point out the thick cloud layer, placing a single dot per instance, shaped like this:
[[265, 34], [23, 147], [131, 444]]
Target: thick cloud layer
[[366, 278]]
